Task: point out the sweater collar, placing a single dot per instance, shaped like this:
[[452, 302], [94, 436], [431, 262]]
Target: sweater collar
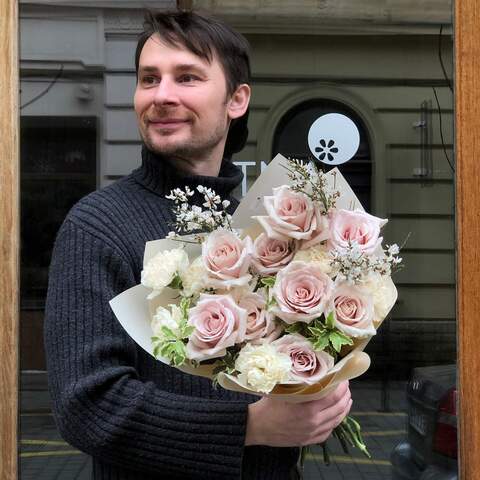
[[159, 176]]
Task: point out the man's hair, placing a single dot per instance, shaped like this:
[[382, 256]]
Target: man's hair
[[205, 37]]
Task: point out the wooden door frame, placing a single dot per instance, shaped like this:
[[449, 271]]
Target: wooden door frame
[[9, 236], [467, 175], [467, 116]]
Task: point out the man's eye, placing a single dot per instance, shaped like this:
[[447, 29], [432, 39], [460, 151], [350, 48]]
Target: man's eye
[[149, 80], [187, 78]]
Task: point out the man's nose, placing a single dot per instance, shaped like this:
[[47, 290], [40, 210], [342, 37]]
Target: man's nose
[[166, 92]]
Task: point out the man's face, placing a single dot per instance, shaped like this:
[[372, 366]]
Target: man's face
[[180, 101]]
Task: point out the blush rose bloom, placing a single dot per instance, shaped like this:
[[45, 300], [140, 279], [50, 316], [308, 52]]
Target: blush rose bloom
[[308, 366], [272, 254], [290, 215], [354, 310], [260, 322], [226, 259], [349, 226], [302, 292], [321, 232], [219, 323]]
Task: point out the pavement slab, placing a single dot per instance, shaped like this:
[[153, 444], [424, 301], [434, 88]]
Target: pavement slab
[[44, 455]]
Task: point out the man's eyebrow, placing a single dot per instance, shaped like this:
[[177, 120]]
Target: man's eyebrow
[[147, 68], [190, 66], [183, 67]]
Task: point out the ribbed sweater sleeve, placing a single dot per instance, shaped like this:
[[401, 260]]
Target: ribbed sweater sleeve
[[101, 405]]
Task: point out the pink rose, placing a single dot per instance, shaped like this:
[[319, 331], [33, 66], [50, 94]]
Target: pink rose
[[260, 322], [271, 254], [302, 292], [347, 226], [354, 310], [219, 323], [308, 366], [320, 233], [289, 215], [226, 259]]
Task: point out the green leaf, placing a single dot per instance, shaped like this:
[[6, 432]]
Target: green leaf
[[338, 339], [321, 343], [295, 328], [271, 303], [187, 330], [168, 333], [330, 320], [317, 331], [268, 281], [180, 348], [184, 306], [176, 283]]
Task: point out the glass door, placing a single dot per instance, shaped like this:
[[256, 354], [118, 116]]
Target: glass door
[[396, 83]]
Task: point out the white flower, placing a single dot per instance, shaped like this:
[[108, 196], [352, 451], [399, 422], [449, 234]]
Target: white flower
[[318, 254], [384, 294], [166, 318], [193, 278], [393, 249], [162, 268], [262, 367]]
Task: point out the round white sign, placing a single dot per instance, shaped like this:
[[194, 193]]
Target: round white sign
[[333, 138]]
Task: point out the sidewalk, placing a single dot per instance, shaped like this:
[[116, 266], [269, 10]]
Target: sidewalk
[[45, 456]]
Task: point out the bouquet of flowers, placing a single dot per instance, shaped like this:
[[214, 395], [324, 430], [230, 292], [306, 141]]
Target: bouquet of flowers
[[281, 303]]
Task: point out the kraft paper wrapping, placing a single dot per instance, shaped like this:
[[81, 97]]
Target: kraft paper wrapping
[[134, 311]]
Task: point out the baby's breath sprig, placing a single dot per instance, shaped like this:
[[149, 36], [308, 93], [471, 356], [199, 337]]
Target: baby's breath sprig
[[309, 180], [353, 265], [193, 218]]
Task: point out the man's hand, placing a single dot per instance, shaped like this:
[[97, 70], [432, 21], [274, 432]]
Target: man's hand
[[280, 424]]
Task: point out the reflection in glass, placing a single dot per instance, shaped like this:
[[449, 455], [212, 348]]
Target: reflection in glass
[[386, 77]]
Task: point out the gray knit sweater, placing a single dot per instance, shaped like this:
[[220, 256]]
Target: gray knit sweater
[[137, 418]]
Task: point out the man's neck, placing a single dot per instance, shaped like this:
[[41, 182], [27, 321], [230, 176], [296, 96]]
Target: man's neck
[[207, 165], [207, 168]]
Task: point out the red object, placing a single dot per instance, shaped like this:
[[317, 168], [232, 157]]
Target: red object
[[445, 439]]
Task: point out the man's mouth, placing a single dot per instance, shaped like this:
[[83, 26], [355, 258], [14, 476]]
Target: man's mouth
[[166, 122]]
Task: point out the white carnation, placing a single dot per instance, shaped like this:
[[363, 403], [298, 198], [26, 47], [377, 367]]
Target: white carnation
[[384, 294], [162, 268], [262, 367], [193, 278], [166, 318], [318, 254]]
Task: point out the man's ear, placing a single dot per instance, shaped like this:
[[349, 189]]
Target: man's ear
[[238, 103]]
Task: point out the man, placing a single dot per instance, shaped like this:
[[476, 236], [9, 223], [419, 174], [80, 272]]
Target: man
[[138, 418]]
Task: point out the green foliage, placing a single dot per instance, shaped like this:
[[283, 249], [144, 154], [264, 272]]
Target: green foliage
[[174, 350], [226, 364], [299, 327], [176, 283], [172, 345], [325, 336], [267, 281]]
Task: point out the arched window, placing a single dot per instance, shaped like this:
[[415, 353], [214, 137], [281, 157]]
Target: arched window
[[290, 139]]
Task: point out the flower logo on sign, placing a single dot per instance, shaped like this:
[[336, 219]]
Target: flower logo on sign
[[333, 138], [326, 150]]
